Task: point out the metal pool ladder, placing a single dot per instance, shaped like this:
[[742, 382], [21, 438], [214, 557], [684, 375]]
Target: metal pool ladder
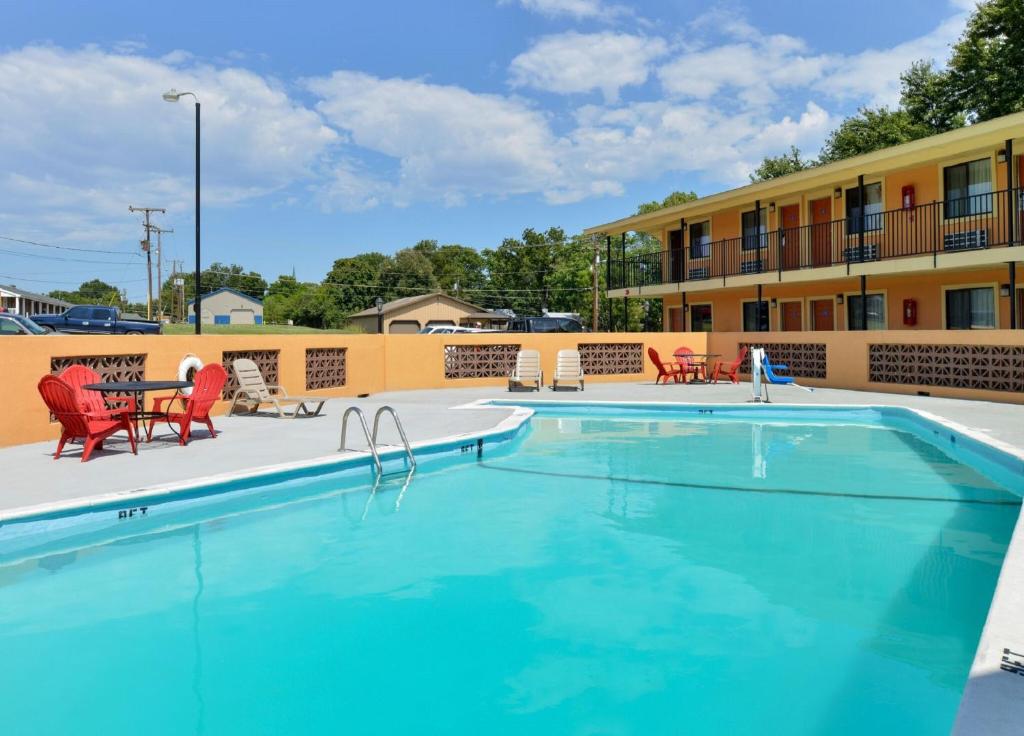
[[371, 437]]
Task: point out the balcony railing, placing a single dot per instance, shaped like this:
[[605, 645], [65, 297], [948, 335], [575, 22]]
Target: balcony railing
[[972, 223]]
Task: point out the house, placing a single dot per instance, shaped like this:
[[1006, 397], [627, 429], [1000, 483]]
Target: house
[[412, 313], [26, 303], [227, 306], [927, 235]]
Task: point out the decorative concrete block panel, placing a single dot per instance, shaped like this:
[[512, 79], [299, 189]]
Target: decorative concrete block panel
[[265, 360], [131, 367], [611, 358], [988, 367], [805, 359], [325, 368], [479, 361]]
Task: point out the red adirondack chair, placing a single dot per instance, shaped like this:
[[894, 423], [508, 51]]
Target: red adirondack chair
[[79, 375], [729, 370], [665, 370], [206, 387], [76, 422], [687, 365]]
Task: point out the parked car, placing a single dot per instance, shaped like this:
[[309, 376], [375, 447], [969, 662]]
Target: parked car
[[449, 330], [546, 324], [92, 319], [15, 324]]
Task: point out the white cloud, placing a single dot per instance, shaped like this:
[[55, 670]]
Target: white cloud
[[579, 9], [86, 131], [449, 143], [577, 62]]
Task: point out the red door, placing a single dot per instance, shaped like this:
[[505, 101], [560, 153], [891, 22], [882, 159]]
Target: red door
[[791, 236], [791, 313], [821, 231], [821, 313]]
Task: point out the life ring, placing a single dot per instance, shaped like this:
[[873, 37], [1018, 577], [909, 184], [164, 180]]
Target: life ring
[[186, 371]]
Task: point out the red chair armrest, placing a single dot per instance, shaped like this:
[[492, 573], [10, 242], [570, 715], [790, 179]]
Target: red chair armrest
[[159, 401]]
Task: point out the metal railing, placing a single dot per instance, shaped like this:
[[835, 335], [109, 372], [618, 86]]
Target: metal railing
[[977, 222]]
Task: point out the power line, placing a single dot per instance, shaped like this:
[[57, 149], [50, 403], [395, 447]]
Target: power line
[[53, 281], [61, 247], [49, 257]]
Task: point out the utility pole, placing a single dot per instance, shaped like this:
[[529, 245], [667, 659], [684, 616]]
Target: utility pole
[[594, 279], [159, 270], [149, 255]]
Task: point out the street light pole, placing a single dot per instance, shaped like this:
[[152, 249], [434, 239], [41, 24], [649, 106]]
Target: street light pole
[[380, 315], [174, 95]]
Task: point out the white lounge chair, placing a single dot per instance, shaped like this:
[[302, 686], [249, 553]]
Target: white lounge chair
[[568, 369], [527, 370], [253, 391]]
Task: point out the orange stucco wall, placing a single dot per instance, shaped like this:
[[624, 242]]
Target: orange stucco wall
[[925, 288], [847, 356], [374, 363]]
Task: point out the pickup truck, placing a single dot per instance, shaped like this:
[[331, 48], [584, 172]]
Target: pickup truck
[[89, 319]]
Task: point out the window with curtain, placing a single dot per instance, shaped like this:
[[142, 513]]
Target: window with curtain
[[872, 208], [876, 312], [971, 309], [968, 188], [752, 317], [700, 239], [751, 230]]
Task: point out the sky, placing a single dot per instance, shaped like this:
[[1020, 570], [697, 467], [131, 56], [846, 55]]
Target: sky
[[335, 128]]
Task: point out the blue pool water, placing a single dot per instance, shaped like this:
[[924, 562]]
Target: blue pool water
[[648, 575]]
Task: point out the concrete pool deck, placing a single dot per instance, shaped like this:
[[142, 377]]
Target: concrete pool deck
[[993, 698]]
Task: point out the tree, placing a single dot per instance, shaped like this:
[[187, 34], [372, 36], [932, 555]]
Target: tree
[[925, 96], [985, 69], [353, 283], [92, 292], [869, 130], [454, 265], [233, 276], [772, 167], [670, 201]]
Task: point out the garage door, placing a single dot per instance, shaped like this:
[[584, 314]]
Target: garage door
[[404, 327], [243, 317]]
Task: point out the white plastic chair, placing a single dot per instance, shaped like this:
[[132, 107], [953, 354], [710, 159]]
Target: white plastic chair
[[568, 369], [527, 370]]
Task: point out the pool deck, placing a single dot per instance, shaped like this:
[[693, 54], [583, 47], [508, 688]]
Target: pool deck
[[993, 702]]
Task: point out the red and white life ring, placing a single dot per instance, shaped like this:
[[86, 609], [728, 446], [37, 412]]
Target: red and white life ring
[[187, 370]]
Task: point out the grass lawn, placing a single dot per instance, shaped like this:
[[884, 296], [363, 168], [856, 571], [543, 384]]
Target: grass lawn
[[187, 329]]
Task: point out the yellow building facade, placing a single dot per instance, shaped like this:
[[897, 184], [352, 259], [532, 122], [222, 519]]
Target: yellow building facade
[[928, 235]]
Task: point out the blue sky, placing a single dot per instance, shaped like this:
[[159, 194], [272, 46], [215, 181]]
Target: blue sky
[[336, 128]]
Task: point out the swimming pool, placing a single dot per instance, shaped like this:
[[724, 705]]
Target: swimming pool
[[608, 570]]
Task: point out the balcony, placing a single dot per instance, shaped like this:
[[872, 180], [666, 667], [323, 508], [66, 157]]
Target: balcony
[[979, 222]]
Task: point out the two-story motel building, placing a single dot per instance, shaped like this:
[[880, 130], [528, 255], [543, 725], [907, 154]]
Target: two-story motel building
[[925, 235]]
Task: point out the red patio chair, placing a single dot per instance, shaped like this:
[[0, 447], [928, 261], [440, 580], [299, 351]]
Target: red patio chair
[[206, 387], [79, 375], [729, 370], [76, 422], [665, 370], [688, 365]]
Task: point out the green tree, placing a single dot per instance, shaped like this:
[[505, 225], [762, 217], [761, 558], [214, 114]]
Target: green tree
[[94, 291], [454, 265], [232, 276], [670, 201], [773, 167], [925, 96], [869, 130], [351, 285], [408, 273], [985, 69]]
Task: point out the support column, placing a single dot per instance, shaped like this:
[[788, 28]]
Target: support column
[[686, 324], [863, 302], [1011, 210], [1013, 295], [759, 307], [608, 279], [625, 299], [863, 223]]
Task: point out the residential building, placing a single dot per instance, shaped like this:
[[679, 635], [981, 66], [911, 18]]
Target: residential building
[[19, 301], [922, 236], [412, 313], [227, 306]]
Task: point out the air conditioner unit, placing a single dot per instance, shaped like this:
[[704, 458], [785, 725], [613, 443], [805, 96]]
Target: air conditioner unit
[[967, 240], [751, 266], [852, 253], [696, 274]]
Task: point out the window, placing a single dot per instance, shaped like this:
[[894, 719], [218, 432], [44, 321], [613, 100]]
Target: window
[[752, 228], [10, 327], [876, 312], [752, 320], [100, 315], [971, 309], [968, 188], [700, 239], [700, 318], [872, 213], [79, 313]]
